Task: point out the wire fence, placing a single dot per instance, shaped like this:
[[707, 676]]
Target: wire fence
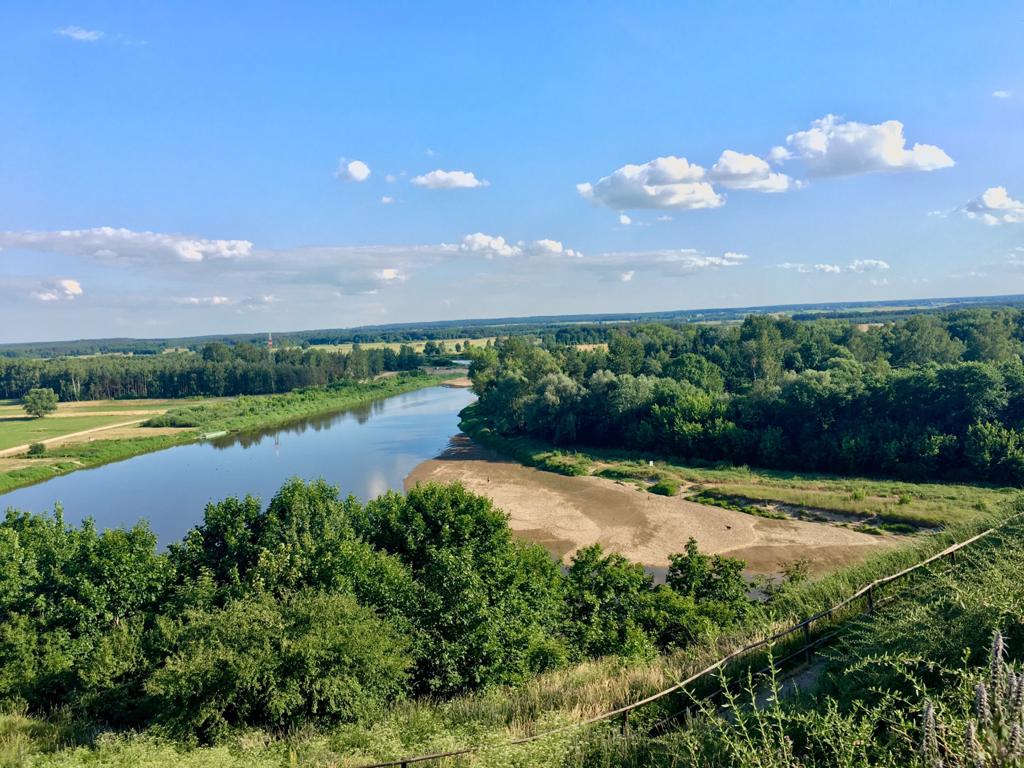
[[864, 601]]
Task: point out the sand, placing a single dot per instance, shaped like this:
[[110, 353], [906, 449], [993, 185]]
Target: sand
[[566, 513]]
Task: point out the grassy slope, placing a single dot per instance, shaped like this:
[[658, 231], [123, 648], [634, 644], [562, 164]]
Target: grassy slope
[[21, 430], [936, 504], [235, 414]]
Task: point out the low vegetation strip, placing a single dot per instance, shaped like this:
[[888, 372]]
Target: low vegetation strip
[[832, 616]]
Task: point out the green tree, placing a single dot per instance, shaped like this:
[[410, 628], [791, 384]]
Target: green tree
[[39, 402]]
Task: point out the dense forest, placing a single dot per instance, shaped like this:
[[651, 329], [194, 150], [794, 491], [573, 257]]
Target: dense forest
[[931, 396], [319, 609], [216, 370]]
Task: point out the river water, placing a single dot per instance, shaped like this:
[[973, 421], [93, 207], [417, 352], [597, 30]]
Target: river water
[[364, 450]]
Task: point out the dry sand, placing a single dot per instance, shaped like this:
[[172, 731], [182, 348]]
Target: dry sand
[[566, 513]]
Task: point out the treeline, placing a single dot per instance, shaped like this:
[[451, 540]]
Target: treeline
[[319, 609], [216, 370], [932, 396]]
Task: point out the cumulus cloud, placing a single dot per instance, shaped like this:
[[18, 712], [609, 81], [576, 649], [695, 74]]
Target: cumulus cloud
[[735, 170], [1002, 94], [386, 200], [449, 180], [80, 34], [125, 245], [352, 170], [833, 146], [490, 246], [665, 182], [58, 290], [994, 207], [868, 265], [808, 268], [624, 220]]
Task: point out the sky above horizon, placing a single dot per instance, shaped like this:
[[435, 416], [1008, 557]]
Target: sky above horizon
[[180, 168]]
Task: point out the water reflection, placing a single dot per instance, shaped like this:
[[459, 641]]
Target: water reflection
[[364, 450]]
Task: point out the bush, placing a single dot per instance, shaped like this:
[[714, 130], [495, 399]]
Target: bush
[[36, 449], [665, 487], [315, 657]]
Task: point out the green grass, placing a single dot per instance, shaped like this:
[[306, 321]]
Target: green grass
[[21, 430]]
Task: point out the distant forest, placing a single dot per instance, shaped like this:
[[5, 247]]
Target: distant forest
[[929, 396], [589, 328], [216, 370]]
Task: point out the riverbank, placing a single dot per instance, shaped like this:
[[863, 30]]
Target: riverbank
[[183, 425], [565, 513]]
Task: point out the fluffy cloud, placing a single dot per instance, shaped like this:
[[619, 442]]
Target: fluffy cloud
[[1002, 94], [665, 182], [58, 290], [994, 207], [833, 146], [125, 245], [352, 170], [490, 246], [449, 180], [807, 268], [80, 34], [624, 220], [868, 265], [738, 171], [386, 200], [249, 302]]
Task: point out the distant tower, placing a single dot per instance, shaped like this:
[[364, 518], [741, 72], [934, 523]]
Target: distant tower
[[270, 341]]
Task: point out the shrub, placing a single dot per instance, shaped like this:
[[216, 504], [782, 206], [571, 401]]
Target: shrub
[[36, 449], [665, 487]]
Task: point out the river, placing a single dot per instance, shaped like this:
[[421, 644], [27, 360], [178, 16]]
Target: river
[[365, 450]]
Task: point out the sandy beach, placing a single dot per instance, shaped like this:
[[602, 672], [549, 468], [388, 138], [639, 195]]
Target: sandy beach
[[566, 513]]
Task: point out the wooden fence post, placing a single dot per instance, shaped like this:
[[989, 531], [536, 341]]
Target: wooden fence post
[[807, 641], [625, 723], [871, 599]]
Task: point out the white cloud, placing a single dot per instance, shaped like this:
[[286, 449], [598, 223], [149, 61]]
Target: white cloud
[[833, 146], [125, 245], [623, 265], [665, 182], [386, 200], [490, 246], [58, 290], [449, 180], [204, 301], [1002, 94], [779, 155], [248, 302], [80, 34], [808, 268], [868, 265], [624, 220], [994, 207], [352, 170], [738, 171], [828, 268]]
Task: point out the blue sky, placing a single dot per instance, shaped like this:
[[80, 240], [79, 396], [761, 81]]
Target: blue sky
[[178, 168]]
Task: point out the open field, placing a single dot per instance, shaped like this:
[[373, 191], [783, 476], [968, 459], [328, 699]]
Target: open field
[[565, 513], [73, 421], [416, 345]]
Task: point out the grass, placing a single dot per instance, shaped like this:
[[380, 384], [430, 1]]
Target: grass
[[880, 502], [22, 430], [449, 344]]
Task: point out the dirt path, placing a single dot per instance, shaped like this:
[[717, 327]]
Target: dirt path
[[566, 513], [70, 436]]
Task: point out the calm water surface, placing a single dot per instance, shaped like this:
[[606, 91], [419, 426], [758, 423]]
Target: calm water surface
[[366, 451]]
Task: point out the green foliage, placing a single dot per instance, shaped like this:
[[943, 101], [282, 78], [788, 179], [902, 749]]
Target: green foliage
[[926, 397], [39, 402], [665, 487], [36, 449], [259, 661]]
